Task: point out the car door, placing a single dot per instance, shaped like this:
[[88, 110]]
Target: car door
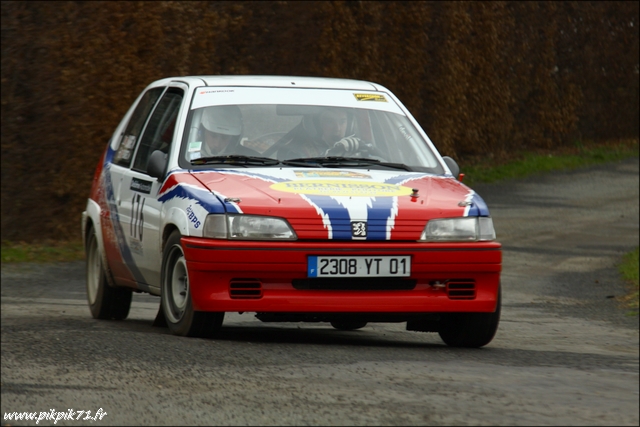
[[139, 205], [126, 141]]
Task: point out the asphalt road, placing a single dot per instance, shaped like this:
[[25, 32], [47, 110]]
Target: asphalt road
[[566, 352]]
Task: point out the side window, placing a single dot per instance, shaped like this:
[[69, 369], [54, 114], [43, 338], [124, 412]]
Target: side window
[[159, 132], [124, 154]]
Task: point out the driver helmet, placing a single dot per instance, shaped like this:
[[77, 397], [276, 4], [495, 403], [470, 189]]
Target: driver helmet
[[223, 119]]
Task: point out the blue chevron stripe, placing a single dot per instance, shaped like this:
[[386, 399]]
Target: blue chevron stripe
[[201, 196], [479, 207], [125, 252]]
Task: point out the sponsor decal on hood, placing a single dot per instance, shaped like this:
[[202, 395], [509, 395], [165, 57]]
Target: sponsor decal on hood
[[325, 204]]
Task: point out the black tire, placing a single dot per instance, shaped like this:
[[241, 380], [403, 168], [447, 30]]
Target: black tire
[[470, 329], [105, 302], [348, 326], [175, 298]]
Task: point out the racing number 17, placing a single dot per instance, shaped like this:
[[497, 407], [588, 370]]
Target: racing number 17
[[137, 217]]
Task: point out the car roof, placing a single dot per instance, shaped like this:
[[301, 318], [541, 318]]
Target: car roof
[[276, 81]]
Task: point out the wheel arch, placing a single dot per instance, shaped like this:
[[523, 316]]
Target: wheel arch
[[91, 223], [176, 219], [91, 217], [166, 232]]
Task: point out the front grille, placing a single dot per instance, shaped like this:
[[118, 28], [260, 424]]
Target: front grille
[[461, 289], [355, 284], [245, 289]]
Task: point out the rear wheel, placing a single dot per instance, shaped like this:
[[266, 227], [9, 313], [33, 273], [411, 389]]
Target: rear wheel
[[348, 326], [176, 297], [470, 329], [105, 302]]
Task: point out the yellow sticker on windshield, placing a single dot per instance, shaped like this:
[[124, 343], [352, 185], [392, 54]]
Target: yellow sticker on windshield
[[370, 97], [351, 188]]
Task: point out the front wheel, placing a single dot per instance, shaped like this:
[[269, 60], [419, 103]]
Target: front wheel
[[105, 302], [176, 296], [470, 329]]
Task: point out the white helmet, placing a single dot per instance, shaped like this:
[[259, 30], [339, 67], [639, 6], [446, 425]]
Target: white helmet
[[224, 119]]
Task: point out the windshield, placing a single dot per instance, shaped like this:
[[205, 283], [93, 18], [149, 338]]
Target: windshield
[[304, 134]]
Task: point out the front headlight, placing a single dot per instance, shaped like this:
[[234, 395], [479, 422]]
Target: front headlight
[[469, 229], [247, 227]]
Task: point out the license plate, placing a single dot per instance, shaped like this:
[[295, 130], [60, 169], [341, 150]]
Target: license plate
[[359, 266]]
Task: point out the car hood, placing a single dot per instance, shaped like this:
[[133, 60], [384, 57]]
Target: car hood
[[325, 203]]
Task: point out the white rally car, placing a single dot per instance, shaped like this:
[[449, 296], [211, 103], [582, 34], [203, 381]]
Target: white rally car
[[297, 198]]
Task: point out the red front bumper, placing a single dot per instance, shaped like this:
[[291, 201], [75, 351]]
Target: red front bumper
[[272, 266]]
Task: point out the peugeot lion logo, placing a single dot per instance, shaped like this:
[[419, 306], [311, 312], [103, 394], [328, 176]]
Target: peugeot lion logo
[[359, 229]]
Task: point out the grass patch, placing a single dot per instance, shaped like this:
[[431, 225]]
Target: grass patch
[[629, 269], [42, 252], [530, 163]]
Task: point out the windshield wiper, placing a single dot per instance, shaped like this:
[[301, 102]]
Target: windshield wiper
[[235, 159], [331, 161], [326, 162]]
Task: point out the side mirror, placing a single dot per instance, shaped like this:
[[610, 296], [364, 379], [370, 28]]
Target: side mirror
[[157, 165], [453, 166]]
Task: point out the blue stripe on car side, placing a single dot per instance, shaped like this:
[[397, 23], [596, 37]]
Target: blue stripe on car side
[[125, 252], [201, 196]]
